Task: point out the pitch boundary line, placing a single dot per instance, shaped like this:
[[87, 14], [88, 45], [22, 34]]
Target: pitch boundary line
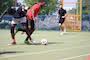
[[42, 52], [75, 57]]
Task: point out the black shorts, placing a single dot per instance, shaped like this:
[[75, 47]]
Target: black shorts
[[30, 24], [61, 20]]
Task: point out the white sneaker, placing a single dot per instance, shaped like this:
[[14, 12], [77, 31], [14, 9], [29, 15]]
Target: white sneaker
[[61, 33], [34, 41], [59, 24]]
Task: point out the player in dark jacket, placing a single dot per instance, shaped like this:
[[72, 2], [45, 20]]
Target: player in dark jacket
[[62, 15], [19, 16]]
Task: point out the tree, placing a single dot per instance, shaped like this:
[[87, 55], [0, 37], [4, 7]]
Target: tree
[[50, 5], [4, 4]]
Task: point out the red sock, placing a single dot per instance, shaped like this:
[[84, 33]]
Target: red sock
[[14, 40]]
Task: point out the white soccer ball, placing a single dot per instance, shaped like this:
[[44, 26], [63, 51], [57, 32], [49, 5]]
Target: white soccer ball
[[44, 42]]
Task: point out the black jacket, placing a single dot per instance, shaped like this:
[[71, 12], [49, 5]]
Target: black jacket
[[61, 12], [17, 13]]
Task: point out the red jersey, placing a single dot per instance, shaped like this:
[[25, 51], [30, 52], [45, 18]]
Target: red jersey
[[33, 11]]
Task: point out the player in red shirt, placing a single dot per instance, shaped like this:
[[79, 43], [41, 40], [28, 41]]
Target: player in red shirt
[[31, 14]]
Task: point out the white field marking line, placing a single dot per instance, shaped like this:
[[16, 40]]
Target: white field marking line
[[41, 52], [75, 57]]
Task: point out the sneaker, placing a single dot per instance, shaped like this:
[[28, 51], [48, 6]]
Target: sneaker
[[13, 43], [61, 33], [22, 33], [26, 42], [34, 42]]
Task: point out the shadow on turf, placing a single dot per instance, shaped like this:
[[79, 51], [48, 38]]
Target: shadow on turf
[[55, 42], [10, 52], [49, 43]]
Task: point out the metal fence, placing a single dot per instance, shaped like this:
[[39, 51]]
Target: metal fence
[[49, 22], [86, 22]]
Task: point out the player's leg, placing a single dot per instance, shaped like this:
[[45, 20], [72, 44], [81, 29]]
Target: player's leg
[[22, 21], [27, 33], [13, 24], [30, 29], [62, 26], [24, 29]]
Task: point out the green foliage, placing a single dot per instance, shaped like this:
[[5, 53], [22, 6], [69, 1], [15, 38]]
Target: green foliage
[[50, 5], [4, 4]]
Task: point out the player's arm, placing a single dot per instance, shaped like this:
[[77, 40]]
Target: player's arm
[[33, 14], [34, 18], [64, 14], [59, 12]]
